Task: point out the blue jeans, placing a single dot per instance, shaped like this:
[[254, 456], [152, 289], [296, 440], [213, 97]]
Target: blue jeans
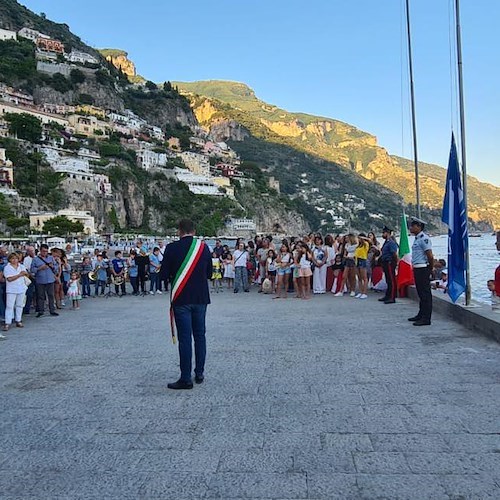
[[240, 278], [190, 321], [154, 280]]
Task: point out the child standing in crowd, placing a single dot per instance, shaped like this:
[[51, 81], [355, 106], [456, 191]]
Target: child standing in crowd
[[216, 273], [100, 269], [133, 272], [271, 269], [228, 262], [495, 299], [74, 290], [84, 277], [154, 272]]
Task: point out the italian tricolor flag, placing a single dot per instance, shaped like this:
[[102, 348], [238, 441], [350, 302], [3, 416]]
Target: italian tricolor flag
[[405, 270]]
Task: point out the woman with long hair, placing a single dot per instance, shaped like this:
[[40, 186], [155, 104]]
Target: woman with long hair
[[330, 258], [361, 257], [350, 245], [15, 275], [305, 273], [284, 262], [319, 258]]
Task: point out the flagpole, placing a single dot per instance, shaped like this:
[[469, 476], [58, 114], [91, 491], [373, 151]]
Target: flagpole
[[413, 114], [462, 147]]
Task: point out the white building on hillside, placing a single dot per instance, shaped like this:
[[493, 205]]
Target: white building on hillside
[[76, 56], [197, 184], [147, 158], [7, 35], [242, 225], [31, 34]]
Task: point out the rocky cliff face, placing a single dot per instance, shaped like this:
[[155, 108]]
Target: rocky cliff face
[[228, 130], [104, 97], [119, 59]]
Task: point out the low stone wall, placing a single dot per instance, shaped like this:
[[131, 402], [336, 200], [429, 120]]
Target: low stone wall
[[478, 317]]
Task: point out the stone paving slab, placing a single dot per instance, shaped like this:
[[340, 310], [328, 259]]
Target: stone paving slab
[[321, 399]]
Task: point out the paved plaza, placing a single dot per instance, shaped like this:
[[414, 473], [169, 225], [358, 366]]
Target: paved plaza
[[320, 399]]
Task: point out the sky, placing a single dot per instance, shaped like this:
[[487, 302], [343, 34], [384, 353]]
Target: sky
[[343, 59]]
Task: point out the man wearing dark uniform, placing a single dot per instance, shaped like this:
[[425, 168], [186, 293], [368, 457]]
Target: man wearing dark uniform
[[422, 262], [389, 259], [187, 264]]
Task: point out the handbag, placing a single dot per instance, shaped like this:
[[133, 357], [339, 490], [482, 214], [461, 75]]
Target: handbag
[[27, 281]]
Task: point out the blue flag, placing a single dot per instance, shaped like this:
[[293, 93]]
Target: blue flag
[[454, 217]]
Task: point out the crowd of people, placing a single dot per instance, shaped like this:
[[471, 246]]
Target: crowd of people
[[34, 279]]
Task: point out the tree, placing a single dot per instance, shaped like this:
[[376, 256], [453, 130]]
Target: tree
[[60, 83], [167, 86], [77, 76], [24, 126], [151, 85], [16, 223], [62, 226]]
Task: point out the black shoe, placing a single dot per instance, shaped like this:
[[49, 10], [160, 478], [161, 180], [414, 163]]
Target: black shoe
[[382, 299], [421, 322], [199, 380], [247, 291], [180, 385], [236, 291], [54, 314], [414, 318], [38, 315], [389, 301]]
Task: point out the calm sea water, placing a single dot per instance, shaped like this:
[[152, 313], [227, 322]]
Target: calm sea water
[[484, 259]]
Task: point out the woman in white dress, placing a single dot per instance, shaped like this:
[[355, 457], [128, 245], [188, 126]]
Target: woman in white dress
[[319, 260], [15, 274]]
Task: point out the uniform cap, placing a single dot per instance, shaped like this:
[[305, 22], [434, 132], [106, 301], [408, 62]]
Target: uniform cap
[[416, 220]]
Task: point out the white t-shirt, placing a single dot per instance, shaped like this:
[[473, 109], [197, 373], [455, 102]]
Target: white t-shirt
[[16, 286], [240, 258], [304, 263], [350, 249]]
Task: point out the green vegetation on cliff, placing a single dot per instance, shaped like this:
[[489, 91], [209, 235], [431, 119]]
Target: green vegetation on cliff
[[332, 141]]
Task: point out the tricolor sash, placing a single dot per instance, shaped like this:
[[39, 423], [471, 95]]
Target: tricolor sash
[[182, 277]]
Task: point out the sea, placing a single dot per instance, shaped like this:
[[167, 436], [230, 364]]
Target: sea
[[484, 259]]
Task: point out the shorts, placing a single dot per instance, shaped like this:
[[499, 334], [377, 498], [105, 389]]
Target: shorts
[[361, 263], [282, 272], [272, 273], [350, 263], [305, 272]]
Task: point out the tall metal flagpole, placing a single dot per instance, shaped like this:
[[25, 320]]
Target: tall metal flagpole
[[462, 141], [413, 116]]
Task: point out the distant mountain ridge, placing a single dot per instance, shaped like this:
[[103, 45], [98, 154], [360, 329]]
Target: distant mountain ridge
[[335, 141]]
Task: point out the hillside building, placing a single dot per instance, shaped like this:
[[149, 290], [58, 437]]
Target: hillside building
[[37, 219], [196, 163], [148, 159], [197, 184], [274, 184], [49, 45], [88, 125], [7, 35], [76, 56], [31, 34], [10, 94], [45, 118], [242, 225]]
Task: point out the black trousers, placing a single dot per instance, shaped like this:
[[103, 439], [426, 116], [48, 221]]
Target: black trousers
[[390, 278], [423, 284], [42, 291]]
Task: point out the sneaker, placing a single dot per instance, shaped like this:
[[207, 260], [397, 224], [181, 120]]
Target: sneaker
[[158, 292], [338, 294], [63, 304], [353, 294], [358, 295], [363, 296], [151, 293], [3, 337]]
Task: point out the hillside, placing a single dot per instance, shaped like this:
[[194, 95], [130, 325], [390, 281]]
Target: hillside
[[330, 140]]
